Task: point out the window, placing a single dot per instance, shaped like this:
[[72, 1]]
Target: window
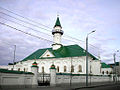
[[106, 72], [57, 68], [79, 68], [102, 72], [24, 69], [65, 68], [72, 68], [48, 55], [42, 69], [18, 69]]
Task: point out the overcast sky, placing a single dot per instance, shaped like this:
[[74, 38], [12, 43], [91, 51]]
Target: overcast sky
[[77, 17]]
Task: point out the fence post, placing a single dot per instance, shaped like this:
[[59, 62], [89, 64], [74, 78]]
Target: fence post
[[34, 69], [52, 75]]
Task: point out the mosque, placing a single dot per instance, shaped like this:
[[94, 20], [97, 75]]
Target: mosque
[[67, 59]]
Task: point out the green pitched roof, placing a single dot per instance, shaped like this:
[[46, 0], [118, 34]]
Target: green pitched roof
[[104, 65], [57, 22], [64, 51]]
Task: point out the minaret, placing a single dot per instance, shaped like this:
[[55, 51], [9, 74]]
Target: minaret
[[57, 33]]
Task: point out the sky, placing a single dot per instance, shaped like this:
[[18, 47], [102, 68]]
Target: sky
[[77, 17]]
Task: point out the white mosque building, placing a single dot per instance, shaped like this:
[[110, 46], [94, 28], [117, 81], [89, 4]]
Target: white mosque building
[[67, 59]]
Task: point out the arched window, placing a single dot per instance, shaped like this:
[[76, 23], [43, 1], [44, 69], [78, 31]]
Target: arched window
[[42, 69], [18, 69], [106, 72], [57, 68], [65, 68], [24, 69], [72, 68], [79, 68], [102, 72]]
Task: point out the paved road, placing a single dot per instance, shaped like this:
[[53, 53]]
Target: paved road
[[105, 87], [111, 87], [39, 88]]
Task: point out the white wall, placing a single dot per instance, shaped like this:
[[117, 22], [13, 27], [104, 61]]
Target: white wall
[[15, 80], [105, 71], [95, 67], [61, 62], [61, 79]]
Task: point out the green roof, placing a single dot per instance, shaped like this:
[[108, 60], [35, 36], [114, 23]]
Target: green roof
[[117, 64], [57, 22], [15, 72], [64, 51], [104, 65]]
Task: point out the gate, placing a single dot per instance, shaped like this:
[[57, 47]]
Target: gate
[[43, 79]]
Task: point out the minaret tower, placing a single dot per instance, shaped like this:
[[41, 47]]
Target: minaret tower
[[57, 33]]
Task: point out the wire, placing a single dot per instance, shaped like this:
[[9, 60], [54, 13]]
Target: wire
[[24, 25], [24, 21], [37, 23], [32, 28], [25, 32], [24, 17], [28, 23]]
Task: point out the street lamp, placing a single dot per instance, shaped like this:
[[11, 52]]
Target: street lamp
[[87, 56], [14, 56], [114, 56]]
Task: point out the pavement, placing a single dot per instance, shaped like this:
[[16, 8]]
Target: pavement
[[80, 86], [105, 87]]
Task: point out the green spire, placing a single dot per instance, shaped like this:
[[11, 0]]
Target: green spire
[[57, 22]]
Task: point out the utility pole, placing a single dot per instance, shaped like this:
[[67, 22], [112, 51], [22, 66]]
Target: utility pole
[[14, 56]]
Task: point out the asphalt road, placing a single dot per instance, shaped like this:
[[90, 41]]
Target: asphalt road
[[110, 87], [105, 87]]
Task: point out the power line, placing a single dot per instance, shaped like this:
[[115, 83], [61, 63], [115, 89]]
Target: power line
[[36, 26], [24, 17], [29, 33], [25, 32], [37, 23], [24, 21], [32, 28], [24, 25], [30, 24]]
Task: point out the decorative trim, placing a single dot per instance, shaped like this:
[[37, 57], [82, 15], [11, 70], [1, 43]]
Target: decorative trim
[[57, 44]]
